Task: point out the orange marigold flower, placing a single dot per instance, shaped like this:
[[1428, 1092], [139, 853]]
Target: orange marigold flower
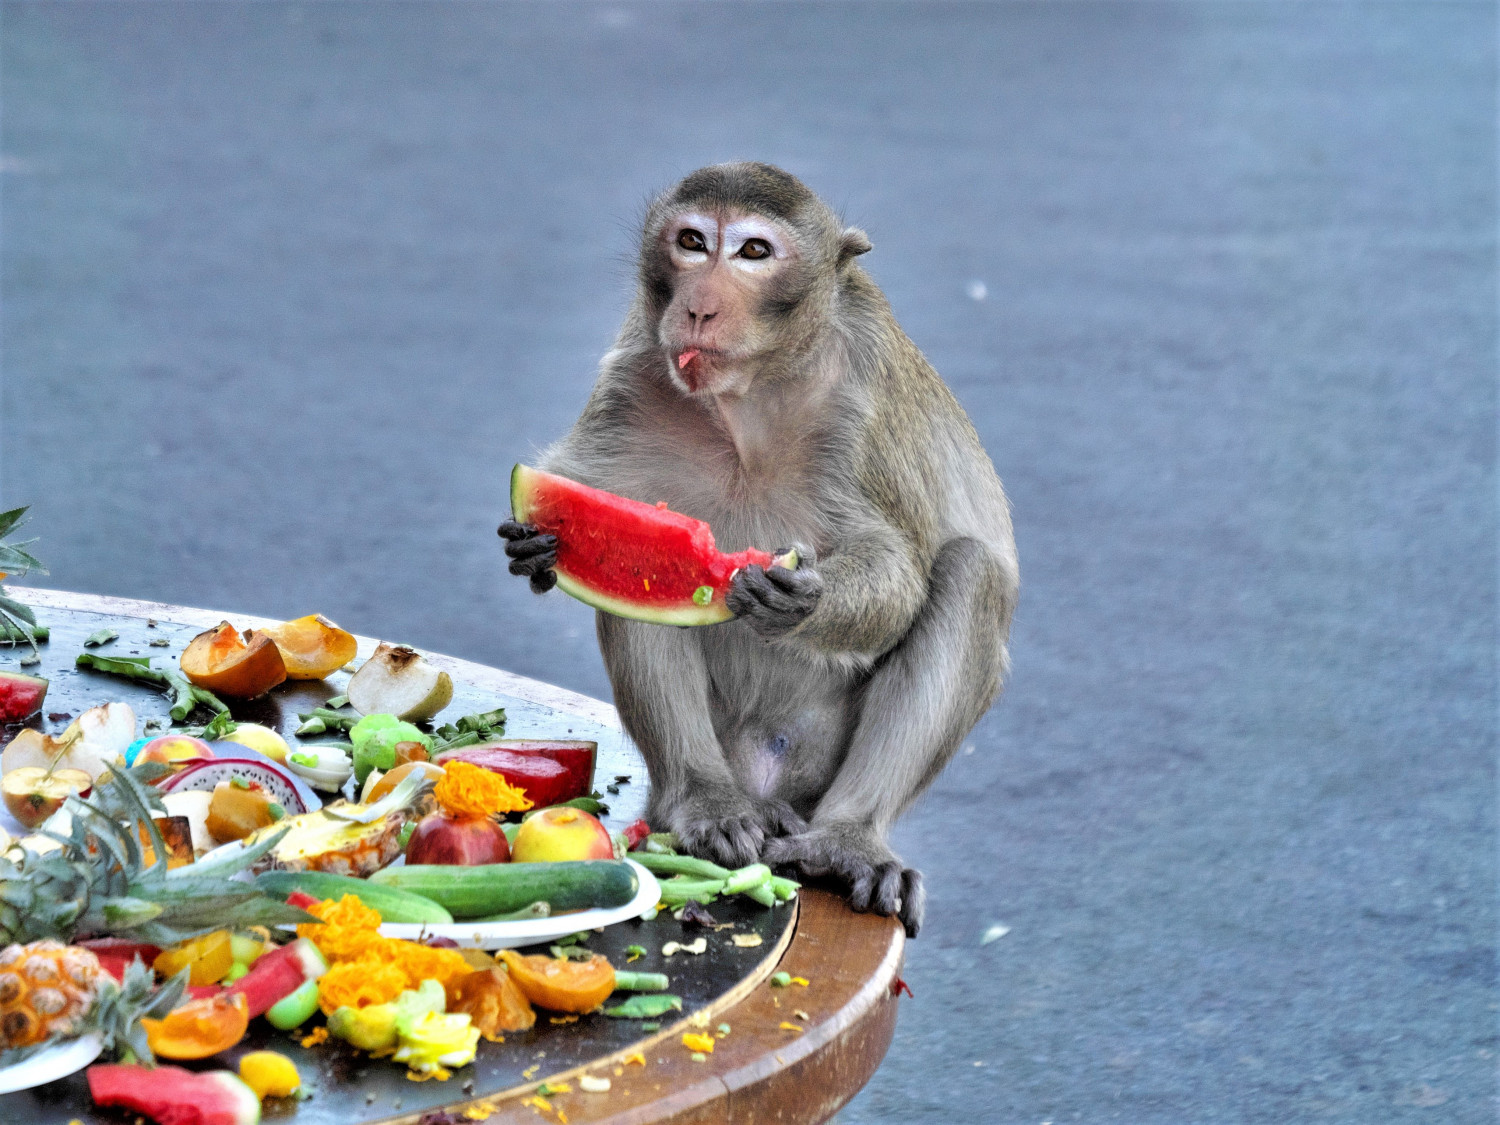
[[468, 790], [358, 984]]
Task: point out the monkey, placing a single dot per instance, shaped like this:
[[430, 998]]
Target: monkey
[[760, 382]]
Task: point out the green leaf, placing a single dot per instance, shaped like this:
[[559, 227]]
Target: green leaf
[[645, 1006], [12, 518]]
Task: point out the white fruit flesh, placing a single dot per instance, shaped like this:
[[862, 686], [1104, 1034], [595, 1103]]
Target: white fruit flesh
[[396, 680]]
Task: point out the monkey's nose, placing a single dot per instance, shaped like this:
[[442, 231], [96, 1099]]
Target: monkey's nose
[[701, 318]]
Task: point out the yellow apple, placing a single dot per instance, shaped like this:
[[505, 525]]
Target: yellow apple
[[561, 833]]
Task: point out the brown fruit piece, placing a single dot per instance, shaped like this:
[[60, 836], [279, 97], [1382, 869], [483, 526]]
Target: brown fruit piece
[[227, 663], [235, 811]]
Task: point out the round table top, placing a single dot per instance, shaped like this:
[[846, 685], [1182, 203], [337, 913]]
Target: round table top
[[794, 1054]]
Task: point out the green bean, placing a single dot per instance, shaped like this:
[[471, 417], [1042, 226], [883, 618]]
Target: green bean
[[680, 865], [747, 879], [626, 981]]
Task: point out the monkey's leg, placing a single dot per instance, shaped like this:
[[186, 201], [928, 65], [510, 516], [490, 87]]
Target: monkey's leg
[[924, 697], [661, 689]]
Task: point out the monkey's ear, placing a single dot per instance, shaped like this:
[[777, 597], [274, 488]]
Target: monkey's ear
[[854, 243]]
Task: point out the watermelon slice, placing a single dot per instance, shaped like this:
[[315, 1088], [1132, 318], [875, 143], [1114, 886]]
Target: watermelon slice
[[171, 1095], [278, 973], [546, 782], [575, 756], [20, 696], [629, 558]]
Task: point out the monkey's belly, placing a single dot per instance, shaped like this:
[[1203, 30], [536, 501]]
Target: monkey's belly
[[782, 719]]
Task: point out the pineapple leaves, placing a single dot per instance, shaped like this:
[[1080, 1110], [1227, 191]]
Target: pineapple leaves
[[13, 560]]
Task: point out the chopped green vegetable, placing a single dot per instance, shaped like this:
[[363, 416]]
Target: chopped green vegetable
[[336, 702], [239, 783], [308, 760], [645, 1005], [100, 637], [375, 737], [703, 595], [626, 981], [747, 879], [781, 980], [186, 696], [275, 811], [635, 951]]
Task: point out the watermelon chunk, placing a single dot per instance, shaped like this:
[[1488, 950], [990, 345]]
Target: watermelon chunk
[[629, 558], [278, 973], [575, 756], [171, 1095], [20, 696], [546, 782]]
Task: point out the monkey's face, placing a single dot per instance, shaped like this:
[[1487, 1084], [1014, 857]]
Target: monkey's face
[[725, 278]]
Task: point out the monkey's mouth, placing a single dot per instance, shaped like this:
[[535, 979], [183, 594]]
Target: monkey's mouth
[[691, 366]]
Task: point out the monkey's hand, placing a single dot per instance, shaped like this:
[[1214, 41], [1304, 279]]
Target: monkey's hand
[[531, 555], [856, 858], [774, 599]]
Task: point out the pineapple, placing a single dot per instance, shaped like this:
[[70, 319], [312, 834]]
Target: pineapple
[[49, 990], [95, 880], [320, 842], [344, 838], [46, 990]]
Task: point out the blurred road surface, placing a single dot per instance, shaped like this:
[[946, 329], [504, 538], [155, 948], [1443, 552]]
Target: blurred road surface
[[288, 287]]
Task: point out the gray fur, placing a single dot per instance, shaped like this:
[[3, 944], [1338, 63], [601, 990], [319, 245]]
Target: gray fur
[[802, 730]]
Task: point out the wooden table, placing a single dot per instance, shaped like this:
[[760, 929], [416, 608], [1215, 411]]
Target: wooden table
[[762, 1071]]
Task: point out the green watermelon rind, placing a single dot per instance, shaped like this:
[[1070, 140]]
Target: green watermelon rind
[[689, 613]]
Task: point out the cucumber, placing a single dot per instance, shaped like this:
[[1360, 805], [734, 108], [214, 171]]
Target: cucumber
[[394, 905], [498, 888]]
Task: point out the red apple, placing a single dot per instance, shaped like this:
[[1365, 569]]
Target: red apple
[[459, 841], [561, 834]]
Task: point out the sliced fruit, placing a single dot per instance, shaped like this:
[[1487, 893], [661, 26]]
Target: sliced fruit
[[281, 784], [238, 808], [192, 804], [199, 1028], [207, 959], [92, 742], [491, 999], [575, 756], [32, 793], [559, 984], [20, 696], [543, 780], [628, 558], [116, 954], [171, 1095], [296, 1008], [227, 663], [398, 681], [263, 740], [176, 833], [270, 1074], [321, 842], [312, 647], [388, 781], [279, 973]]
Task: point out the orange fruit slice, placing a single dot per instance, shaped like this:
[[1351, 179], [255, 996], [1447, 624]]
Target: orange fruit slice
[[312, 647], [227, 663]]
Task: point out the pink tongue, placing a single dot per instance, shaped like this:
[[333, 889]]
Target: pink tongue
[[686, 358]]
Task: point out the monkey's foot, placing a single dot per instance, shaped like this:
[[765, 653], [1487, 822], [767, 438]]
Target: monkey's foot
[[732, 840], [873, 878], [778, 818]]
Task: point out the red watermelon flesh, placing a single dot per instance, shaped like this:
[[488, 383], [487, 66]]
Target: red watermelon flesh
[[628, 558], [171, 1095], [546, 782], [20, 696], [574, 755], [277, 974]]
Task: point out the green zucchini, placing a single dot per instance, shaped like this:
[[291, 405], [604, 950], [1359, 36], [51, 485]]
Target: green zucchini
[[394, 904], [498, 888]]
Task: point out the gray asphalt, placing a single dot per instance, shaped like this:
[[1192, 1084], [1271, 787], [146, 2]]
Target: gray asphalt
[[287, 289]]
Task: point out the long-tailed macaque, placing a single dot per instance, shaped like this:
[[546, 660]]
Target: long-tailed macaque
[[761, 383]]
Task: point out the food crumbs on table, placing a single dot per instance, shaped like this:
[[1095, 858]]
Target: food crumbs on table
[[538, 1103], [746, 941], [480, 1110], [634, 953], [572, 1017], [790, 1027], [651, 1025], [781, 980], [698, 1056], [593, 1085], [693, 947], [723, 1030], [442, 1074], [692, 1042], [800, 981], [801, 1015], [638, 1059], [619, 1070], [779, 1060], [317, 1036], [547, 1089], [530, 1071]]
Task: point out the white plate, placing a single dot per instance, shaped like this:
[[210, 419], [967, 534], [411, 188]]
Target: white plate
[[508, 935], [51, 1063], [533, 931]]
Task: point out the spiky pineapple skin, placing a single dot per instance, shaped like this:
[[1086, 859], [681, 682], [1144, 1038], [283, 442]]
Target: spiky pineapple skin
[[46, 990]]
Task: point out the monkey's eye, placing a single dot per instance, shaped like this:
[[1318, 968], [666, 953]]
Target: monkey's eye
[[690, 239], [755, 249]]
